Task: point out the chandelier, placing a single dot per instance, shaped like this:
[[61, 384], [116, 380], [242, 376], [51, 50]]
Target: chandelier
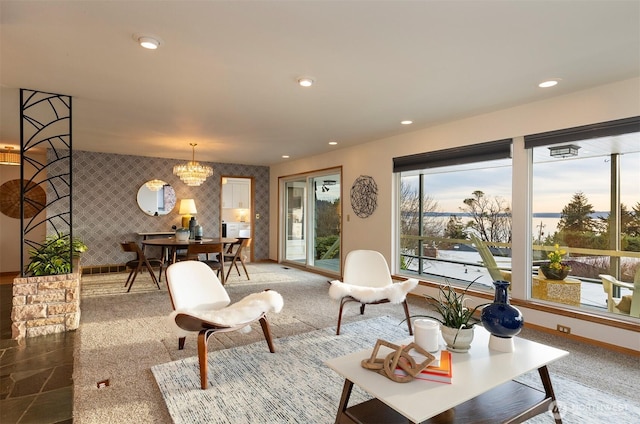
[[192, 173], [155, 185]]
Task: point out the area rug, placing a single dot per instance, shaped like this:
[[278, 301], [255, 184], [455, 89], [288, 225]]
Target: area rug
[[248, 384]]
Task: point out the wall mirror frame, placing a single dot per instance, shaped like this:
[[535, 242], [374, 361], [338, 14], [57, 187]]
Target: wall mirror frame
[[156, 202]]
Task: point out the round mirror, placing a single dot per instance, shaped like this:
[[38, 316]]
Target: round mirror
[[156, 198]]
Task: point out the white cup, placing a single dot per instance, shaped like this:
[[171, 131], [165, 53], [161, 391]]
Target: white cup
[[427, 334]]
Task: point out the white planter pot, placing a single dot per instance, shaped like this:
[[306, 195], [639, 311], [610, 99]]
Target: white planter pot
[[458, 340]]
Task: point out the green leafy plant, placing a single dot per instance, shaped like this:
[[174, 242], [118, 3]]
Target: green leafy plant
[[450, 306], [52, 258]]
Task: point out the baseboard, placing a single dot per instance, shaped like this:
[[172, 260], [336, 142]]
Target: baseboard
[[103, 269], [584, 340]]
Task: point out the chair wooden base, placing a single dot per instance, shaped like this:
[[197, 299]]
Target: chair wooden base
[[135, 271], [139, 263], [348, 299], [190, 323]]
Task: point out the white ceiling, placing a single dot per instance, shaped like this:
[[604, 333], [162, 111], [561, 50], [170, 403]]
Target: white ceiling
[[225, 74]]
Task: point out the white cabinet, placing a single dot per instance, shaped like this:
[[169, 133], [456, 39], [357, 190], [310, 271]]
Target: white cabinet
[[238, 229], [236, 195]]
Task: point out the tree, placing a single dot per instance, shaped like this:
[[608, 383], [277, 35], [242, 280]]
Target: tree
[[629, 228], [490, 217], [576, 226], [576, 216], [412, 215], [327, 218], [454, 228]]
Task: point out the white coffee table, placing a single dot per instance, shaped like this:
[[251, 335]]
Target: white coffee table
[[482, 390]]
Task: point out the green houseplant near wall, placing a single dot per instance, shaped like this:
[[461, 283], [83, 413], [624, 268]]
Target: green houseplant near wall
[[457, 320], [52, 258]]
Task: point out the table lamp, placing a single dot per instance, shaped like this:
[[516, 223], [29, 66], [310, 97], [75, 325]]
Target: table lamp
[[187, 208]]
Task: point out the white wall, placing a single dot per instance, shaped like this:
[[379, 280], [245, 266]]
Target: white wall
[[604, 103]]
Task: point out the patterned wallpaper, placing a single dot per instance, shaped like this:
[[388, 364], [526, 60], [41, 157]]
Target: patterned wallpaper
[[106, 212]]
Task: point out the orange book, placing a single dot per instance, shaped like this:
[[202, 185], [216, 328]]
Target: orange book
[[443, 373]]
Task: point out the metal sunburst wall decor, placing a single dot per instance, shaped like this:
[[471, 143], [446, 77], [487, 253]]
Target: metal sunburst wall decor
[[364, 196]]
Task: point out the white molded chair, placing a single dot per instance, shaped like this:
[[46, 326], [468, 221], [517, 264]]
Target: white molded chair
[[367, 280], [201, 304]]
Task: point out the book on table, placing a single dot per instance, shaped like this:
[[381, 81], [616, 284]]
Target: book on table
[[439, 370]]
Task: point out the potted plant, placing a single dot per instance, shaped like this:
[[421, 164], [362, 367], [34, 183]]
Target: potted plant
[[456, 319], [556, 269], [52, 258]]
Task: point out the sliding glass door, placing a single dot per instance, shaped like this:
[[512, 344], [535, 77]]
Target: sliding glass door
[[311, 220]]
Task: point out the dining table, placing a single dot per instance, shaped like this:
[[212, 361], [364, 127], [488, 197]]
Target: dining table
[[172, 245]]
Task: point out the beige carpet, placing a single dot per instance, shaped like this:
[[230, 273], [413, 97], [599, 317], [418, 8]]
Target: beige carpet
[[121, 336], [113, 284]]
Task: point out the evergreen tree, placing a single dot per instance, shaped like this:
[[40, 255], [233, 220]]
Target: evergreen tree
[[576, 216], [576, 226], [454, 228]]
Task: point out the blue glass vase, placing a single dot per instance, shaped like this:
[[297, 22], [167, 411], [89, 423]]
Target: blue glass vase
[[500, 318]]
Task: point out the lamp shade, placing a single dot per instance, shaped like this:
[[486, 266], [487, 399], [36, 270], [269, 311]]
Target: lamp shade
[[188, 207]]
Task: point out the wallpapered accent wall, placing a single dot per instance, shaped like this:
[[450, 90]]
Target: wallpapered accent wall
[[105, 210]]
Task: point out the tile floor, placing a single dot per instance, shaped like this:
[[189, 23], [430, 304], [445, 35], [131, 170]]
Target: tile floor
[[36, 383]]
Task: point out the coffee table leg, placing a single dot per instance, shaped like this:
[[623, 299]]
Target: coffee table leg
[[344, 399], [548, 390]]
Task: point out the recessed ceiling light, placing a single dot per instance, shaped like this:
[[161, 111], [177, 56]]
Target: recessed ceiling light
[[406, 122], [285, 156], [148, 42], [549, 83], [305, 82], [333, 143]]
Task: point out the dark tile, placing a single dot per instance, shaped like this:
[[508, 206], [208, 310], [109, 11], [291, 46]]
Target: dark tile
[[12, 409], [51, 407], [6, 385], [38, 353], [29, 383], [62, 377]]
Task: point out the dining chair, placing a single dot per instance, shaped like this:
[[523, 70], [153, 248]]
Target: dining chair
[[141, 261], [202, 305], [234, 254], [367, 280], [213, 256]]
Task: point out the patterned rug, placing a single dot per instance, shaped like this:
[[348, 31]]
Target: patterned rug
[[248, 384]]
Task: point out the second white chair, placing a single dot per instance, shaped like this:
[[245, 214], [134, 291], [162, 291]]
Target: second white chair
[[367, 280]]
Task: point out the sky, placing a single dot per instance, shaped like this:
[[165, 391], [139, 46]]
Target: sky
[[554, 185]]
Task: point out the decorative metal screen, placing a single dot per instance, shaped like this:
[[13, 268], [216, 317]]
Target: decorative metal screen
[[45, 126]]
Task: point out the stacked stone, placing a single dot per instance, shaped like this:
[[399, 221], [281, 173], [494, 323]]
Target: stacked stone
[[45, 305]]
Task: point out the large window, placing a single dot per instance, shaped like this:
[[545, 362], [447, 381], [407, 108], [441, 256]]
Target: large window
[[455, 215], [448, 207], [586, 200]]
